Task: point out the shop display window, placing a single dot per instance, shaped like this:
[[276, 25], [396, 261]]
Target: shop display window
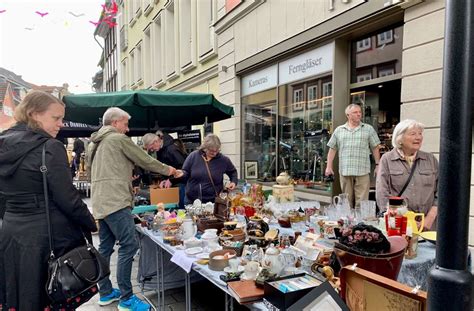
[[304, 124], [259, 133]]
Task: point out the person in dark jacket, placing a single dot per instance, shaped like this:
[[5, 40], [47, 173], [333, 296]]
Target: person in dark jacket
[[24, 239], [168, 153], [78, 149], [199, 184]]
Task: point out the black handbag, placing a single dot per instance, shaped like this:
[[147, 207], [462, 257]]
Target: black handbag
[[72, 277]]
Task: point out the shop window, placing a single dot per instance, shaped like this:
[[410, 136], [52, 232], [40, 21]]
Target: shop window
[[303, 133], [259, 132], [385, 37], [363, 45]]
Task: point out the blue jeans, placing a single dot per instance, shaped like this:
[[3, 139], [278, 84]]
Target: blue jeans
[[118, 226], [182, 192]]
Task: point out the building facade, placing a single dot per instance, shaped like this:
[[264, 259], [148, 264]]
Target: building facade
[[290, 67]]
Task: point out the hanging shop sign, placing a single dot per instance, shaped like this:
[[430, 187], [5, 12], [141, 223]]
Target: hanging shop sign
[[308, 64], [259, 81]]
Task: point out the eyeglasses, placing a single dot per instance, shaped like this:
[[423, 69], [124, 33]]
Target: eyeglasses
[[213, 150]]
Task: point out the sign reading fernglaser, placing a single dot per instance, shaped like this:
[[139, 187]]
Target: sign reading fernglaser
[[309, 64], [259, 81]]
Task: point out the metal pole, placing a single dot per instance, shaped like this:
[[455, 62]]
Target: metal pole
[[449, 282]]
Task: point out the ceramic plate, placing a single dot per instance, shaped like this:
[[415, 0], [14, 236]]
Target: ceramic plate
[[430, 236], [228, 270], [193, 251]]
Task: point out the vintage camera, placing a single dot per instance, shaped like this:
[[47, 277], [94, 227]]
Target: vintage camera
[[329, 178]]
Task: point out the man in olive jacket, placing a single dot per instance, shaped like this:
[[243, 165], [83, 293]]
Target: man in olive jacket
[[112, 156]]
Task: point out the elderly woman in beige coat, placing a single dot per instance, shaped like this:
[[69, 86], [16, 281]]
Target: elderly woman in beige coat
[[396, 166]]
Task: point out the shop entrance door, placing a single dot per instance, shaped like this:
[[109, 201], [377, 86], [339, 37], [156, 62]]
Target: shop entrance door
[[380, 108]]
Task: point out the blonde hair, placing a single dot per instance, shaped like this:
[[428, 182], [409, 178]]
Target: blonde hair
[[35, 101], [211, 141], [401, 128]]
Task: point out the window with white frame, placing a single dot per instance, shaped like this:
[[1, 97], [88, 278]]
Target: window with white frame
[[312, 96], [138, 63], [124, 75], [186, 41], [298, 100], [385, 37], [205, 20], [364, 44], [170, 39], [157, 49], [132, 70], [147, 63], [327, 89], [364, 77], [131, 12], [147, 6], [138, 7], [386, 72]]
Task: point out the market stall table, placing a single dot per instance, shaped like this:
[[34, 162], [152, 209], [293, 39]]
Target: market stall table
[[413, 272]]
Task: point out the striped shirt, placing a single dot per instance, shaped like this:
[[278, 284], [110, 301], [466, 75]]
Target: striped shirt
[[354, 147]]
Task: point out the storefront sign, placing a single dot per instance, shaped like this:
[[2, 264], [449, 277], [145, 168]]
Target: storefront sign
[[260, 80], [192, 136], [309, 64]]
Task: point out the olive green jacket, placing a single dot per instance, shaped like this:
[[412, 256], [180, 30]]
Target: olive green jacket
[[111, 170]]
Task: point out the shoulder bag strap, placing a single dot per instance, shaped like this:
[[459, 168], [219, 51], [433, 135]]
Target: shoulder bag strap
[[409, 178], [44, 170], [210, 176], [93, 153]]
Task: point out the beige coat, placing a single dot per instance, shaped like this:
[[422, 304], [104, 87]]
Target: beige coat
[[111, 171]]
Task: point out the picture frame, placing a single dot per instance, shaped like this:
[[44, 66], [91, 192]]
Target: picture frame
[[251, 170], [322, 297]]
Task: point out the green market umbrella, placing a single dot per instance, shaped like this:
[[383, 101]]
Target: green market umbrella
[[148, 108]]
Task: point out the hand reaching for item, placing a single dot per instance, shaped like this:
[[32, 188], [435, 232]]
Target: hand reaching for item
[[178, 174], [230, 186]]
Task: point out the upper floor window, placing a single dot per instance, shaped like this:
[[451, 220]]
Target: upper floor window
[[385, 37], [364, 44]]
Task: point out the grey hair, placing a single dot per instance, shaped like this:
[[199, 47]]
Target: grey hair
[[211, 141], [401, 129], [160, 133], [149, 139], [349, 107], [114, 114]]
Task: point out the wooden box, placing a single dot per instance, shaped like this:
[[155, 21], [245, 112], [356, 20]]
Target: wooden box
[[164, 195], [284, 193], [363, 290]]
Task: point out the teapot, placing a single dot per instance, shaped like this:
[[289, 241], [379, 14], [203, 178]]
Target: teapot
[[410, 215], [257, 223], [273, 260], [189, 228], [283, 179]]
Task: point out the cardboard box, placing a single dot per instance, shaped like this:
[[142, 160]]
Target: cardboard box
[[284, 193], [164, 195]]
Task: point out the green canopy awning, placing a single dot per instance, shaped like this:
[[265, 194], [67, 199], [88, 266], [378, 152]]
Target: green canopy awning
[[148, 108]]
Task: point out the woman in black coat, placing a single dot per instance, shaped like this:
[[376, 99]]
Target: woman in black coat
[[24, 247]]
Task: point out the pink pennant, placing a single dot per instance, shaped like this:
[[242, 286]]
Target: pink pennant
[[41, 14]]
